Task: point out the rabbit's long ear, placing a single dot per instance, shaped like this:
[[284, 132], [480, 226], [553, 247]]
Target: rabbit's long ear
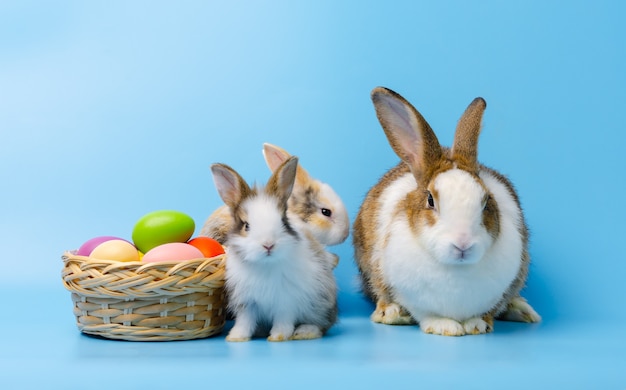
[[281, 182], [409, 135], [465, 146], [230, 185], [274, 156]]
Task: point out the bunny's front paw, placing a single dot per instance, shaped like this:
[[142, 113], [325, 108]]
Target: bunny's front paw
[[442, 326], [281, 332], [307, 332], [391, 314], [243, 328], [237, 336], [278, 337], [478, 325]]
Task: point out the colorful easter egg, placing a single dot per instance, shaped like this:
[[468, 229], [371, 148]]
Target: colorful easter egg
[[173, 251], [89, 245], [119, 250], [208, 246], [162, 227]]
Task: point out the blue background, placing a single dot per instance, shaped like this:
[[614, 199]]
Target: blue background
[[112, 109]]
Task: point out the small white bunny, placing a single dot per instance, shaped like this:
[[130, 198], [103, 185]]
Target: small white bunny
[[441, 239], [313, 205], [278, 277]]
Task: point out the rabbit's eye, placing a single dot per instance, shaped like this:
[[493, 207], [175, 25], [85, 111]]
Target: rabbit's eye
[[246, 226], [327, 212], [431, 201], [486, 201]]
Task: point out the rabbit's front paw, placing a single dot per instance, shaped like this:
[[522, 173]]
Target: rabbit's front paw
[[442, 326], [278, 337], [281, 333], [519, 310], [391, 314], [237, 336], [307, 332], [478, 325], [243, 329]]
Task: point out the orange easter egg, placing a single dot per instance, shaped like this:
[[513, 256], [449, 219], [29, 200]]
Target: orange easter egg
[[208, 246]]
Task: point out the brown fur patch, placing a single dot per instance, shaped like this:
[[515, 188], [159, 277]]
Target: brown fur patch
[[491, 217], [418, 215], [241, 218], [302, 201], [418, 211], [488, 318]]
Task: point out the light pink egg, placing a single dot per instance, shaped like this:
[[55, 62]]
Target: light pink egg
[[174, 251]]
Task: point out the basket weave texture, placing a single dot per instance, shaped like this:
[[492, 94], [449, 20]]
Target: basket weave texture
[[146, 301]]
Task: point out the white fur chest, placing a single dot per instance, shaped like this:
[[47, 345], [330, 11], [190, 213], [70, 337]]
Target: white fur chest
[[275, 285], [428, 287]]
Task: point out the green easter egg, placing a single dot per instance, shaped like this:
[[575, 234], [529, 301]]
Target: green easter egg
[[162, 227]]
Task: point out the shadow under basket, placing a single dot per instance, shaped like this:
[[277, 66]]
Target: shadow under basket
[[138, 301]]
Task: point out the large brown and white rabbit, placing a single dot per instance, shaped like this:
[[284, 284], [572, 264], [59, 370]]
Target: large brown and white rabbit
[[278, 276], [313, 205], [441, 239]]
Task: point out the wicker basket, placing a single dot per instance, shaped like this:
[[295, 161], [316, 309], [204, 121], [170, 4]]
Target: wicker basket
[[146, 301]]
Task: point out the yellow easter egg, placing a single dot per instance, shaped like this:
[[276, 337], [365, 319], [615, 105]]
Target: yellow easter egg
[[118, 250]]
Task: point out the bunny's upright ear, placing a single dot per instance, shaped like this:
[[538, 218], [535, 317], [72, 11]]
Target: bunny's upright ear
[[409, 135], [465, 146], [230, 185], [275, 156], [281, 182]]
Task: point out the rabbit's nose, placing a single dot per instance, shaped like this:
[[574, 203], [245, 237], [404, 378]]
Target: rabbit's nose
[[462, 242], [462, 246], [462, 250], [268, 248]]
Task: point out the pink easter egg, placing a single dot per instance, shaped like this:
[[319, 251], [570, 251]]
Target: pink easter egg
[[173, 251]]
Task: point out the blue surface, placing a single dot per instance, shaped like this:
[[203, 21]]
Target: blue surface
[[109, 110]]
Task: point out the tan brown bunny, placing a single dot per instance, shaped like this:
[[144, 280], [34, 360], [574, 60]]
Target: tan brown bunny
[[441, 239]]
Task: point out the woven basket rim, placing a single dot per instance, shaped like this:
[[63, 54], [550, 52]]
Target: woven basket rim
[[73, 254], [92, 277]]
